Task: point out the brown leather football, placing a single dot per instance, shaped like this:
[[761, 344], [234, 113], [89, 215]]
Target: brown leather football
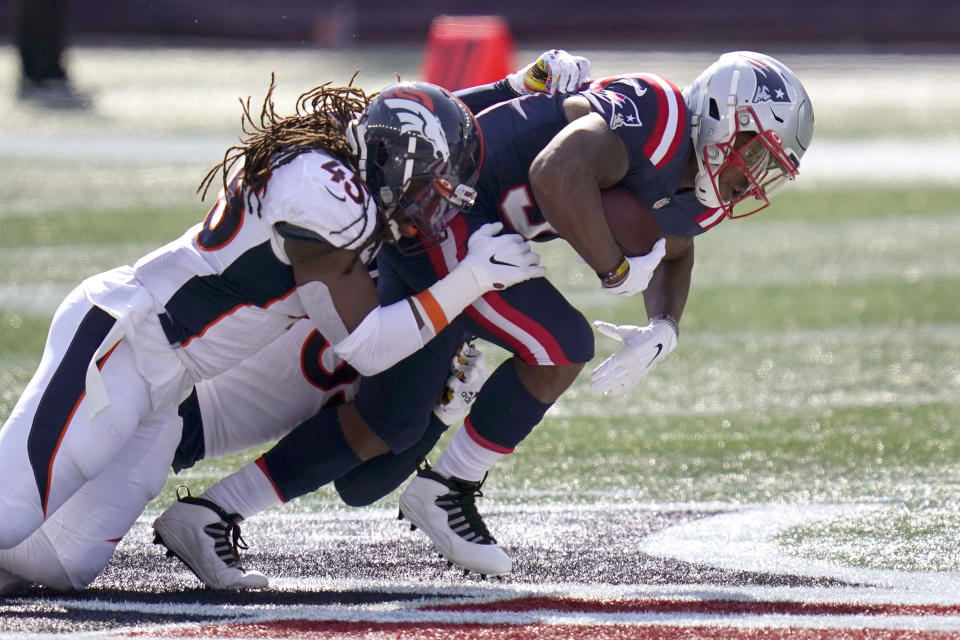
[[631, 222]]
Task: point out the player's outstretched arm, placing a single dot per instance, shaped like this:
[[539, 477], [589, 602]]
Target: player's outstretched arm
[[644, 347], [340, 298], [553, 72]]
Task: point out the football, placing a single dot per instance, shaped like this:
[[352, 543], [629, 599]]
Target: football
[[631, 222]]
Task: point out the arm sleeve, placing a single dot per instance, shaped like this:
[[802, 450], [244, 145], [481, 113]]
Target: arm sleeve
[[486, 95], [389, 334]]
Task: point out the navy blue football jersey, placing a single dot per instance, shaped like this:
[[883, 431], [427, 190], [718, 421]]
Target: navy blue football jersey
[[645, 110]]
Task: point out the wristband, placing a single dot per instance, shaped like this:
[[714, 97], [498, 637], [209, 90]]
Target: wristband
[[667, 319], [616, 277]]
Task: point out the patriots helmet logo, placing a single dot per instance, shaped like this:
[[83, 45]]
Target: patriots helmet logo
[[770, 84]]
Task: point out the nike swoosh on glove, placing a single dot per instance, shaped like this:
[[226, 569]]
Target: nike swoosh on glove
[[500, 261], [643, 347]]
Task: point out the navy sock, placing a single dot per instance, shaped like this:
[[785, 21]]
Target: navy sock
[[310, 456], [504, 412], [377, 477]]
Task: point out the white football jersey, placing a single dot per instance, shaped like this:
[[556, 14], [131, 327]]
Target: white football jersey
[[263, 398], [225, 289]]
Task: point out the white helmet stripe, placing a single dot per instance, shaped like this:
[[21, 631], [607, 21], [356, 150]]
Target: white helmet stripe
[[408, 165]]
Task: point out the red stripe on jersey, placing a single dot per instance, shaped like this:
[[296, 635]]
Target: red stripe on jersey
[[710, 217], [457, 233], [662, 144], [480, 440]]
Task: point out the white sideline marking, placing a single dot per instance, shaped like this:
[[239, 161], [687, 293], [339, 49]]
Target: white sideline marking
[[744, 540], [741, 538]]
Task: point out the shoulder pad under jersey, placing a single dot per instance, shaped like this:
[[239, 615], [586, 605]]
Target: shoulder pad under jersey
[[645, 110], [317, 193]]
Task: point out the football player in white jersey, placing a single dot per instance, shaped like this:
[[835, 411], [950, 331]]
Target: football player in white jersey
[[287, 239], [267, 394]]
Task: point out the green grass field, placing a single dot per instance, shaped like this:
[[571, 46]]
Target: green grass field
[[820, 352]]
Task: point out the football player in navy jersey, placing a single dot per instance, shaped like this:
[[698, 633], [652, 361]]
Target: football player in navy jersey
[[718, 149], [289, 238]]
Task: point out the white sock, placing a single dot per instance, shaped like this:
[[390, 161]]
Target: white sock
[[247, 492], [466, 459]]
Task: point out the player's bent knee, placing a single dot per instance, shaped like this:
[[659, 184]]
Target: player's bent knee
[[546, 383]]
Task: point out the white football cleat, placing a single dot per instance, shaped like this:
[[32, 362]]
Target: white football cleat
[[446, 510], [206, 539]]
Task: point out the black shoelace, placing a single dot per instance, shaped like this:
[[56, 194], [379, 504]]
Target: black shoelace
[[463, 517], [227, 541]]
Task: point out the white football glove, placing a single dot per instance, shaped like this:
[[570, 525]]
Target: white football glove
[[641, 270], [555, 71], [498, 262], [468, 372], [643, 347]]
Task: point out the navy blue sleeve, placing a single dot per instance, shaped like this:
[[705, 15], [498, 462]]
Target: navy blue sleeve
[[486, 95], [626, 105]]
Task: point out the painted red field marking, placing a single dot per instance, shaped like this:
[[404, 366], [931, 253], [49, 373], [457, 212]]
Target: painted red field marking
[[330, 630], [721, 607]]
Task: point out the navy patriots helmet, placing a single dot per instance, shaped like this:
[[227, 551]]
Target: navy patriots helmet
[[419, 150], [747, 92]]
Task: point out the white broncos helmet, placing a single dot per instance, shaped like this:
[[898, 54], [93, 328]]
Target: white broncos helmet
[[742, 92]]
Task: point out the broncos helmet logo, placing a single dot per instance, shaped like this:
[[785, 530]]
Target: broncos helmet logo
[[416, 117], [770, 84]]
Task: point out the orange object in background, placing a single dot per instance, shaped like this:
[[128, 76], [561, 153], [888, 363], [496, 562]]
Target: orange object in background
[[464, 51]]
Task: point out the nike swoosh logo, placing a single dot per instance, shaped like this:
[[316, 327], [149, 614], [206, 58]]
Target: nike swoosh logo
[[493, 260], [657, 354]]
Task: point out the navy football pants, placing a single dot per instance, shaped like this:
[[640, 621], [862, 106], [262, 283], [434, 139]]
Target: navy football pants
[[532, 320]]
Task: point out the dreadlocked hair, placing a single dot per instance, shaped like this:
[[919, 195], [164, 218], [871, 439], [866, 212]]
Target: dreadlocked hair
[[320, 121]]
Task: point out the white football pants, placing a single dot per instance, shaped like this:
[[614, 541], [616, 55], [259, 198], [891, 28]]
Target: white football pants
[[53, 451]]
